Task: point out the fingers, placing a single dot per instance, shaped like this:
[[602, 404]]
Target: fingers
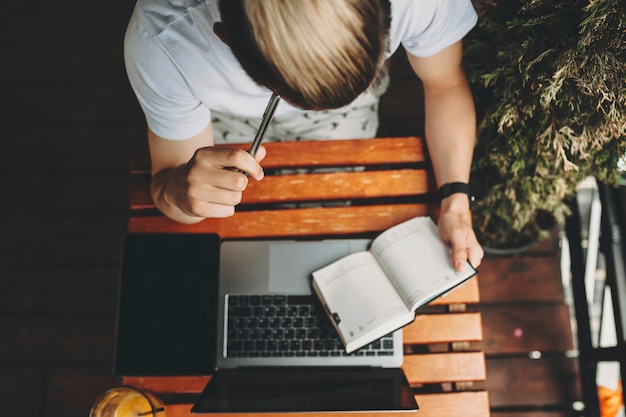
[[459, 259], [465, 248], [213, 181], [231, 158], [462, 240], [261, 153], [475, 254]]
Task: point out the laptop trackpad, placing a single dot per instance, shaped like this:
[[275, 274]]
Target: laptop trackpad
[[291, 266]]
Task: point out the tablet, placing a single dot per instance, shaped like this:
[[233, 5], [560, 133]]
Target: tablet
[[167, 305]]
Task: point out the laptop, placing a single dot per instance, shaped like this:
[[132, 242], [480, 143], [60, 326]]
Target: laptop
[[258, 362]]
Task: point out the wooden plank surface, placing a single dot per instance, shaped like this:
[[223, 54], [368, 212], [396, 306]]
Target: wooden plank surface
[[419, 369], [524, 382], [328, 186], [466, 293], [336, 153], [467, 404], [443, 328], [444, 367], [537, 413], [524, 328], [521, 278], [319, 221]]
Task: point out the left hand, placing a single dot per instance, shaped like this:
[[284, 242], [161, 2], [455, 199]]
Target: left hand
[[455, 228]]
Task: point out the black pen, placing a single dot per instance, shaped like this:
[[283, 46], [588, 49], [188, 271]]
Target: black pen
[[267, 117]]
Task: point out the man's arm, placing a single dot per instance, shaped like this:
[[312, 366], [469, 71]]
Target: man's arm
[[193, 180], [450, 134]]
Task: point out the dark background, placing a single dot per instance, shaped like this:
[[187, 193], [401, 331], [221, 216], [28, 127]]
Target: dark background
[[68, 121]]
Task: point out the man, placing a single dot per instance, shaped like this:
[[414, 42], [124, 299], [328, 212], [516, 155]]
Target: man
[[203, 71]]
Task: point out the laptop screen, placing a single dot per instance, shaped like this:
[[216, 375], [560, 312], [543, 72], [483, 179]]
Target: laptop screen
[[311, 389]]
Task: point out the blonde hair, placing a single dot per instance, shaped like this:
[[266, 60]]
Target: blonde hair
[[316, 54]]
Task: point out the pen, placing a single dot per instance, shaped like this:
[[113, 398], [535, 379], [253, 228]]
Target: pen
[[267, 117]]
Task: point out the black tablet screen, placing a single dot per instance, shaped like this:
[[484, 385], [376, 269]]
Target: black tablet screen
[[167, 306]]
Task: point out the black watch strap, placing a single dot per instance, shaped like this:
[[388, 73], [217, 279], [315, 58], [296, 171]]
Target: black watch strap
[[450, 188]]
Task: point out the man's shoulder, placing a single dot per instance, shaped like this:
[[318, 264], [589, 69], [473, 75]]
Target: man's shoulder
[[155, 16], [426, 26]]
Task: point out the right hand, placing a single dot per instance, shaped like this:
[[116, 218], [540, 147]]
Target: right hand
[[212, 182]]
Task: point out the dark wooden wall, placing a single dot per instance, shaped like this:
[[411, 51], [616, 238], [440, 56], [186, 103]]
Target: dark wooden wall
[[68, 123]]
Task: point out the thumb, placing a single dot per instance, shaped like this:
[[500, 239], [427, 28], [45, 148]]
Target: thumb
[[260, 153], [459, 255]]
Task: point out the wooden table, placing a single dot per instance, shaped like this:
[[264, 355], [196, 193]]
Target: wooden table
[[395, 184]]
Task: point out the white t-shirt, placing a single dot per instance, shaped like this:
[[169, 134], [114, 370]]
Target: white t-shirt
[[180, 70]]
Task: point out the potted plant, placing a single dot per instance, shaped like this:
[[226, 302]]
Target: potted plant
[[549, 81]]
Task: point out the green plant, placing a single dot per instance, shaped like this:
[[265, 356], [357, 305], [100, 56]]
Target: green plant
[[549, 81]]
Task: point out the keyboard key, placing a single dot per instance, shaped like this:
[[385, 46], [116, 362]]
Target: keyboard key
[[239, 312], [302, 299], [279, 300]]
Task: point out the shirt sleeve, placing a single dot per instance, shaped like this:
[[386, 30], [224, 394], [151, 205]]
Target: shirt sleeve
[[426, 27], [170, 107]]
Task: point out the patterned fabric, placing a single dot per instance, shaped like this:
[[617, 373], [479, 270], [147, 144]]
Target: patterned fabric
[[357, 121]]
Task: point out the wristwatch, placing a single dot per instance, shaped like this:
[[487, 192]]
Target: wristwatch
[[450, 188]]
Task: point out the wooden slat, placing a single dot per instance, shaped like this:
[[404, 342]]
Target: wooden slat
[[443, 328], [467, 404], [451, 404], [419, 369], [536, 413], [521, 279], [524, 382], [444, 367], [319, 221], [524, 328], [140, 197], [160, 385], [466, 293], [328, 186], [310, 154]]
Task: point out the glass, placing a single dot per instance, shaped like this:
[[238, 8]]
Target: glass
[[127, 402]]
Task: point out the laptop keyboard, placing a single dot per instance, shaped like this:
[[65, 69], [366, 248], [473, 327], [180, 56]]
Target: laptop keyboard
[[287, 326]]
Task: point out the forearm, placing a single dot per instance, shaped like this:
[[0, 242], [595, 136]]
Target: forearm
[[450, 133]]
